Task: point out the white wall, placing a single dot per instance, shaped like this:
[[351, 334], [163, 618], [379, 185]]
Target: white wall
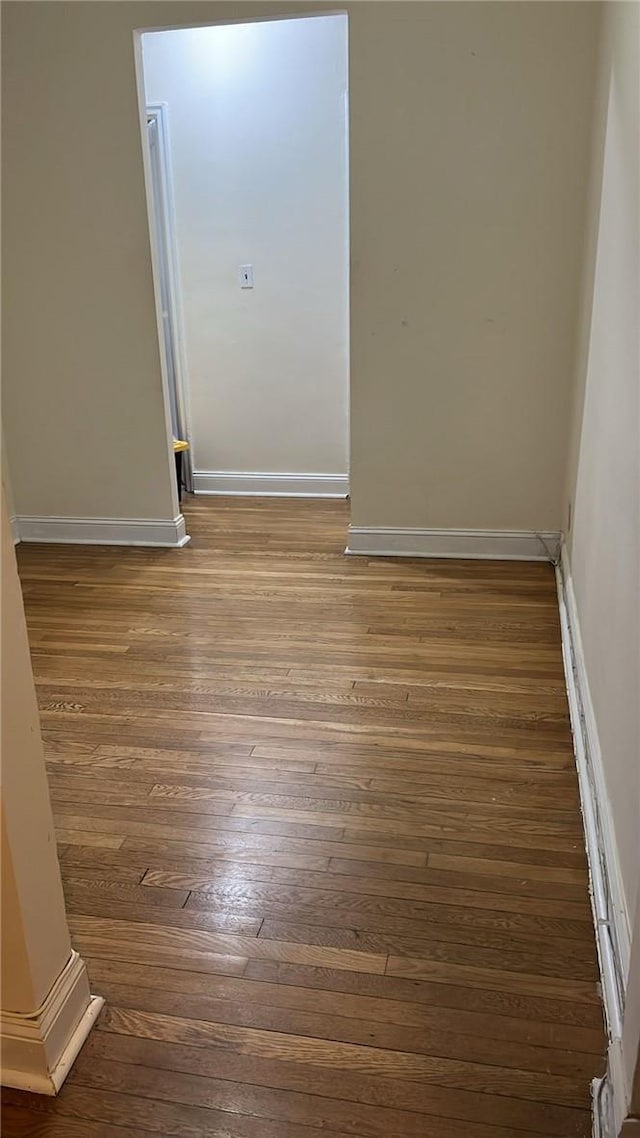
[[257, 122], [469, 148], [603, 484]]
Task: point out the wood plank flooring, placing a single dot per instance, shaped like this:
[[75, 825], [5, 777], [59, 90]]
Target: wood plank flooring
[[320, 837]]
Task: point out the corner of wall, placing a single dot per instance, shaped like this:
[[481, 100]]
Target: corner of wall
[[584, 309]]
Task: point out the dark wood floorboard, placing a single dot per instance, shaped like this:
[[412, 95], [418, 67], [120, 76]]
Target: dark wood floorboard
[[320, 838]]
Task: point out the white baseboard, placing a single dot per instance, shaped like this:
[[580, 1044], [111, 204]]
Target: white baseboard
[[38, 1050], [15, 531], [610, 914], [270, 485], [103, 531], [499, 545], [601, 841], [610, 1095]]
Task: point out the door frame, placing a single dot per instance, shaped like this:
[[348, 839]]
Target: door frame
[[164, 216]]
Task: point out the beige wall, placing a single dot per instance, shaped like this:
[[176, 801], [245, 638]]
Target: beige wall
[[46, 1008], [465, 258], [6, 478], [469, 129], [604, 474], [35, 938], [83, 409]]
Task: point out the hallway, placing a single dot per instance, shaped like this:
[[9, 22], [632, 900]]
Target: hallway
[[320, 837]]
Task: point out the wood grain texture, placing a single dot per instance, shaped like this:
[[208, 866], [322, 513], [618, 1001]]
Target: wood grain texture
[[320, 838]]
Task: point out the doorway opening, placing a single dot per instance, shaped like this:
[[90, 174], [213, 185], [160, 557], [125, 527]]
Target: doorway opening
[[246, 141]]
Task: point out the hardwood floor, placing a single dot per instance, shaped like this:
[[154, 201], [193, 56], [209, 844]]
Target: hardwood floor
[[320, 838]]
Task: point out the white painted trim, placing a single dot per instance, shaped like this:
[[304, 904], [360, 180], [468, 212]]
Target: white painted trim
[[38, 1050], [167, 219], [103, 531], [518, 545], [255, 484], [610, 1095], [148, 182], [611, 919], [15, 529], [604, 851]]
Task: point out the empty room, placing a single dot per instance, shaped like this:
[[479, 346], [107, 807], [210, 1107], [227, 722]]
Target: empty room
[[320, 604]]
